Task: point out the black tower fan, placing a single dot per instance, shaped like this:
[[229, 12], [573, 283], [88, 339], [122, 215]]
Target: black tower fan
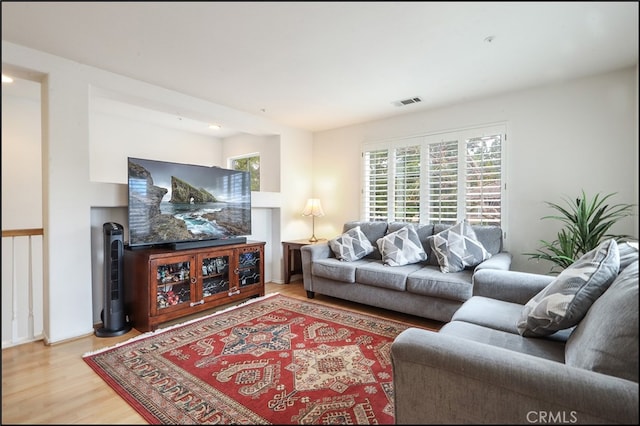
[[113, 316]]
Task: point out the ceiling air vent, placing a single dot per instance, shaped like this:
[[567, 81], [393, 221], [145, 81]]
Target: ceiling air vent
[[407, 101]]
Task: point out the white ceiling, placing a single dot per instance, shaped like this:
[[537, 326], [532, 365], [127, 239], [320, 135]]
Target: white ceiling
[[324, 65]]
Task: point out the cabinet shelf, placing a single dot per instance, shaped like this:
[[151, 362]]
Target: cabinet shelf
[[165, 284]]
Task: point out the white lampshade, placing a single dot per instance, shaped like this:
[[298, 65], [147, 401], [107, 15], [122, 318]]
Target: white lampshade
[[313, 208]]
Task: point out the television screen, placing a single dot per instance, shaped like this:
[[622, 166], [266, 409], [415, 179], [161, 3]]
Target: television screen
[[176, 203]]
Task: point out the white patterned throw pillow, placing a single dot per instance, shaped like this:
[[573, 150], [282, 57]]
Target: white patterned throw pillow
[[352, 245], [401, 247], [457, 248], [566, 300]]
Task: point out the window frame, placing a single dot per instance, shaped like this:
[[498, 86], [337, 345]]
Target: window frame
[[230, 161]]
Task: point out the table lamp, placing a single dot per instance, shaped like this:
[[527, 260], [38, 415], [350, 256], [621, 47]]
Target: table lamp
[[313, 209]]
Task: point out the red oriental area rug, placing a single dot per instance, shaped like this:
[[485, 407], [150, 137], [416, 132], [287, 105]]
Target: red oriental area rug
[[273, 360]]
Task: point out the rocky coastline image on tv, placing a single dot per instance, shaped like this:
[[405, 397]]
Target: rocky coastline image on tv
[[174, 202]]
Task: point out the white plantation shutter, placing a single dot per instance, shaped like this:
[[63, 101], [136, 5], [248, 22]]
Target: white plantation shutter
[[483, 182], [376, 191], [439, 178], [406, 195], [443, 182]]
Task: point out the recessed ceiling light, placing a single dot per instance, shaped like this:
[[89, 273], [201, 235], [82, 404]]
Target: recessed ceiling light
[[6, 79], [214, 126]]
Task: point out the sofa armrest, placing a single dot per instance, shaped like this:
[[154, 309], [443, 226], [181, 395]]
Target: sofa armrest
[[501, 261], [439, 378], [510, 286], [308, 254]]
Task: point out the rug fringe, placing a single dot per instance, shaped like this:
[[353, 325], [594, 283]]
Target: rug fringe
[[165, 329]]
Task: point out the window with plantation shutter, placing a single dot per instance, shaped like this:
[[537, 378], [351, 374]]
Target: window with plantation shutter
[[483, 193], [442, 186], [376, 193], [406, 191], [439, 178]]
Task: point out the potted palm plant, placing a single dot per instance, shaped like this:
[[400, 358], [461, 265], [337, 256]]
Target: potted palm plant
[[586, 225]]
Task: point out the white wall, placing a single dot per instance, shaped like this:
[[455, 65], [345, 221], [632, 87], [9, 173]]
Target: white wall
[[112, 139], [21, 162], [581, 134], [69, 192], [268, 147]]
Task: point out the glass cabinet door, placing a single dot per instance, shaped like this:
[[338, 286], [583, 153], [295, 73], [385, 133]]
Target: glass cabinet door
[[249, 267], [215, 274], [173, 283]]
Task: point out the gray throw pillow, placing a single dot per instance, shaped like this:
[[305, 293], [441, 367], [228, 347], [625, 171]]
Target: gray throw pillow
[[566, 300], [606, 340], [401, 247], [350, 246], [457, 248], [628, 253]]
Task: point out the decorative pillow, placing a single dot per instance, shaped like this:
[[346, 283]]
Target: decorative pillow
[[352, 245], [372, 230], [401, 247], [628, 253], [457, 248], [566, 300], [606, 340]]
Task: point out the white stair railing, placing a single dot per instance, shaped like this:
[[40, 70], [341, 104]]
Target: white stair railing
[[22, 286]]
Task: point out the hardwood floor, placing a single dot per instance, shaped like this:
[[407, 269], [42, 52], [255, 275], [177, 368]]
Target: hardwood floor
[[52, 384]]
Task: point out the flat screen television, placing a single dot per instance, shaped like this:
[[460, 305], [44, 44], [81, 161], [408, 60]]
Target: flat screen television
[[185, 205]]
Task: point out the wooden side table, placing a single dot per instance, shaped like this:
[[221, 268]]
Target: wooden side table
[[292, 258]]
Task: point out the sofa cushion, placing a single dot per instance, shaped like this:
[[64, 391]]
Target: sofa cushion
[[497, 314], [543, 348], [492, 313], [430, 281], [401, 247], [566, 300], [606, 340], [337, 270], [350, 246], [457, 248], [490, 237], [377, 274], [373, 230]]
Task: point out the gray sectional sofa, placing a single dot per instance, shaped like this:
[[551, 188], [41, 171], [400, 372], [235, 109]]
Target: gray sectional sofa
[[420, 288], [480, 369]]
